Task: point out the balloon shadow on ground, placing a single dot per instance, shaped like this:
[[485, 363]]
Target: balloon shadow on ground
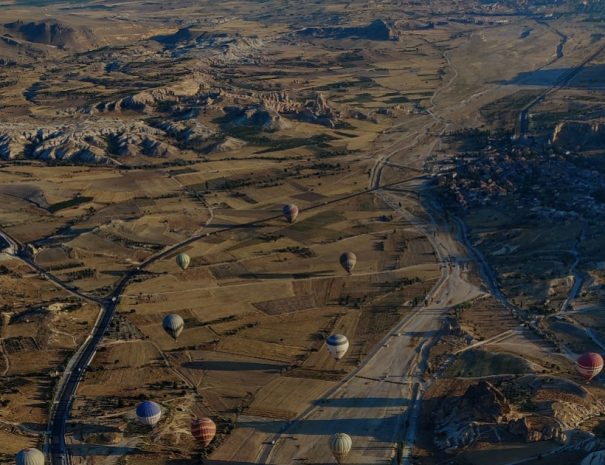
[[310, 274], [88, 427], [217, 365], [388, 428], [369, 402], [88, 450]]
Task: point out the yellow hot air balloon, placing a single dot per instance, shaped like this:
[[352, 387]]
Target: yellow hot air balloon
[[183, 260]]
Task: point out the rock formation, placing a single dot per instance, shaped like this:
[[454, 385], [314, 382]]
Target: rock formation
[[574, 134], [376, 30], [52, 32]]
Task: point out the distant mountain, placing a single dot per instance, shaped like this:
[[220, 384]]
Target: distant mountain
[[52, 32]]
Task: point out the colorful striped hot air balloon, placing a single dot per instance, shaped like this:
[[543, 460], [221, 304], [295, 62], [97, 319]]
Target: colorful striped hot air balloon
[[589, 365], [203, 430], [149, 413], [173, 325], [348, 261], [337, 345], [290, 211], [29, 456], [340, 445], [183, 260]]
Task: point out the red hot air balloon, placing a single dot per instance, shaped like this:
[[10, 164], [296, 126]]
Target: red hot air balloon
[[589, 365], [203, 430]]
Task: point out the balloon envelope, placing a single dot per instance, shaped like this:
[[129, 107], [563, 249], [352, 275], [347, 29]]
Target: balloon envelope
[[337, 345], [348, 261], [340, 445], [173, 325], [290, 211], [183, 260], [589, 365], [149, 413], [29, 456], [203, 430]]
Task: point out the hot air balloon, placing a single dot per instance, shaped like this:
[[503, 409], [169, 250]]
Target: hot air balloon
[[29, 456], [173, 325], [348, 261], [149, 413], [337, 345], [340, 445], [589, 365], [290, 211], [183, 260], [203, 430]]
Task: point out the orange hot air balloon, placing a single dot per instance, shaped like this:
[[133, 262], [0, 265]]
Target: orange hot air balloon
[[589, 365], [203, 430]]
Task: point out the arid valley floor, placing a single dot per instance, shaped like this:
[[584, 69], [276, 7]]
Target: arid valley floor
[[454, 147]]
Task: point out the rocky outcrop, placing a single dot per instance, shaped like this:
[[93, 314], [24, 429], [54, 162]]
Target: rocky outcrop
[[185, 130], [533, 429], [65, 145], [214, 47], [268, 114], [147, 100], [485, 403], [552, 409], [579, 135], [376, 30], [94, 141], [457, 421], [257, 116], [227, 145]]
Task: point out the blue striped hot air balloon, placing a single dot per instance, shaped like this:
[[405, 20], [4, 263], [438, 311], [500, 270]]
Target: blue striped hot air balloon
[[149, 413], [29, 456], [337, 345]]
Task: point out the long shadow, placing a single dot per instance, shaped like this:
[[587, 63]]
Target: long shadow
[[35, 426], [209, 462], [75, 426], [381, 429], [87, 450], [420, 333], [216, 365], [231, 225], [117, 273], [363, 402], [589, 77], [310, 274]]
